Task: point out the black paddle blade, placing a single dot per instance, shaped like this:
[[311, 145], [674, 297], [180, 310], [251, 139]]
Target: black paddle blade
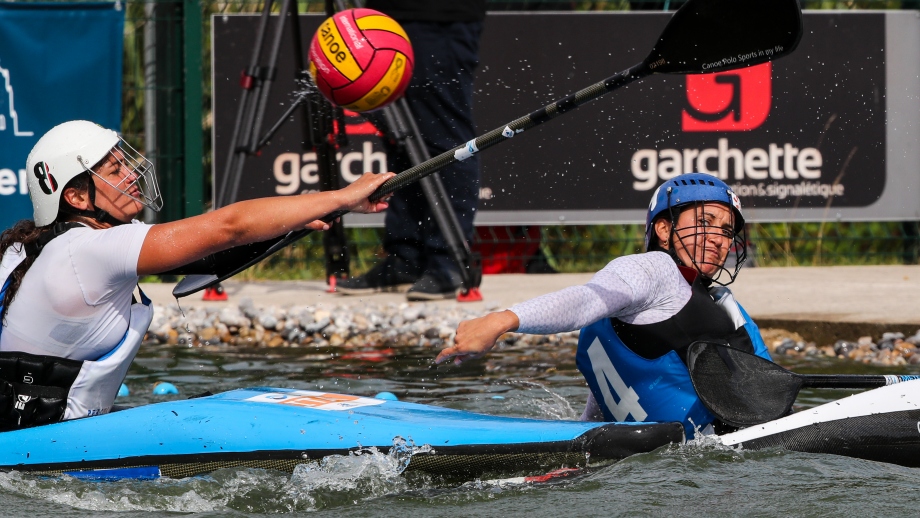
[[193, 284], [740, 388], [715, 35]]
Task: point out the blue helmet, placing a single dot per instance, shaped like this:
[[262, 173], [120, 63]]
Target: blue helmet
[[697, 188], [691, 188]]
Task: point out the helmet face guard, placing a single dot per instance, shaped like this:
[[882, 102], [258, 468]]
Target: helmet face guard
[[140, 182], [690, 193], [697, 237]]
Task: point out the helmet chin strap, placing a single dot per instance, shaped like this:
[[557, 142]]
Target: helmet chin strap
[[673, 237], [672, 250], [703, 278], [95, 213]]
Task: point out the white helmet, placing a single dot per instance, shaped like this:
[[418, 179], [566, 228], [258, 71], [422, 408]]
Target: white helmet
[[73, 148]]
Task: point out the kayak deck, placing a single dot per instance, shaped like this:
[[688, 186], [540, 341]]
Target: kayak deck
[[279, 428]]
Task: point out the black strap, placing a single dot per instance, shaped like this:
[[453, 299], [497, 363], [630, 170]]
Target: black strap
[[96, 213], [701, 318], [37, 391], [34, 248]]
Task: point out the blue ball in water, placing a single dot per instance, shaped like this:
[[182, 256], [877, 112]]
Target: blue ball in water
[[163, 388], [388, 396], [123, 390]]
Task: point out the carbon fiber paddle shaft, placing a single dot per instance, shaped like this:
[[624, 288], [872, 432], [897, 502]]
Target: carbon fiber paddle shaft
[[852, 381], [197, 282], [508, 131]]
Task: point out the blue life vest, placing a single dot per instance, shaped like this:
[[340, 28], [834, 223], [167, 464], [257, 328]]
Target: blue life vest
[[628, 387]]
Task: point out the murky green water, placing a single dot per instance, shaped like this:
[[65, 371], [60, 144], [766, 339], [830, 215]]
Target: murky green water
[[536, 382]]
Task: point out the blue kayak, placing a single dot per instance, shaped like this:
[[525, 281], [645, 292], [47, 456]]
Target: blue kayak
[[278, 429]]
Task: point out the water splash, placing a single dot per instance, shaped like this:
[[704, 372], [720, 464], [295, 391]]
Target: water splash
[[556, 407], [361, 475], [304, 86], [342, 480], [184, 317], [704, 443]]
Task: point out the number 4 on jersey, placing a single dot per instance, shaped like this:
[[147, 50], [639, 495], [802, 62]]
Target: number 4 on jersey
[[607, 376]]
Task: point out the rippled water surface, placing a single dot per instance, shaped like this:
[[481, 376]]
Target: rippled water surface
[[537, 382]]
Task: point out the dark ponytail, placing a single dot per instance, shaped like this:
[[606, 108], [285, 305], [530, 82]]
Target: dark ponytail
[[26, 233]]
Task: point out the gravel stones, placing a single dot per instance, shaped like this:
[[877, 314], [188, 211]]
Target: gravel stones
[[891, 350], [377, 325], [401, 324]]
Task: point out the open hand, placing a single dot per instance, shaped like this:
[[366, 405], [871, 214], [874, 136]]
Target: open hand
[[476, 337]]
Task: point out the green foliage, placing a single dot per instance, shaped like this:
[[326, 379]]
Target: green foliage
[[834, 243], [587, 248]]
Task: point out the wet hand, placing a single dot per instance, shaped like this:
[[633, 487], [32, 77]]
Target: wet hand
[[476, 337], [355, 195]]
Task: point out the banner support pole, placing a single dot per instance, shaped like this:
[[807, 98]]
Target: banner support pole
[[193, 147]]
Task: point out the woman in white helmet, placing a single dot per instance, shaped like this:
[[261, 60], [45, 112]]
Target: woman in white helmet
[[69, 328], [638, 315]]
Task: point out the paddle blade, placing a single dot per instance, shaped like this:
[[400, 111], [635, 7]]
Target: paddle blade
[[740, 388], [714, 35], [193, 284]]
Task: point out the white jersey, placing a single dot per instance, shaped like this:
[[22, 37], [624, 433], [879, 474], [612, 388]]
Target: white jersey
[[75, 300], [637, 289]]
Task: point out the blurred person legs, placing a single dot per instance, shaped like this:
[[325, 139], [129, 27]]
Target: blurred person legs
[[440, 97]]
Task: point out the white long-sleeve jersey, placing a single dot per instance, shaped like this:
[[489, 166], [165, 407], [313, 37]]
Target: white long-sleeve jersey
[[637, 289]]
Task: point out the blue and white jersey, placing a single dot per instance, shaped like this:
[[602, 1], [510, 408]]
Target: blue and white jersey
[[628, 387], [638, 290]]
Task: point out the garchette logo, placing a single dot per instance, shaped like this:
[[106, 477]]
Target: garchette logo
[[738, 100]]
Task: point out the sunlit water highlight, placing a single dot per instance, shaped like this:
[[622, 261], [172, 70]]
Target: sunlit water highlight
[[699, 477]]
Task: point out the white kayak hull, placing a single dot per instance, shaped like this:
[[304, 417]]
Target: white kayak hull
[[882, 424]]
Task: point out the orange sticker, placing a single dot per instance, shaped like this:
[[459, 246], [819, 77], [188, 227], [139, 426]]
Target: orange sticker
[[316, 400]]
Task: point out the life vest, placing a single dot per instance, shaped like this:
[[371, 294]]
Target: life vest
[[630, 387], [37, 389]]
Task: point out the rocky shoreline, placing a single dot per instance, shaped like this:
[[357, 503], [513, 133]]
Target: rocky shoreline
[[892, 349], [403, 324]]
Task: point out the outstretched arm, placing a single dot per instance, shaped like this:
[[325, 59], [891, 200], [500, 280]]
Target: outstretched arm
[[561, 311], [170, 245], [644, 288]]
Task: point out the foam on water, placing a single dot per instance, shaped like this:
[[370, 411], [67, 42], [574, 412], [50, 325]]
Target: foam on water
[[333, 481]]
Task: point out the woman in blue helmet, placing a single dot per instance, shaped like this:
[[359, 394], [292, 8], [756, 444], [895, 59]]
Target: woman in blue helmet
[[638, 315]]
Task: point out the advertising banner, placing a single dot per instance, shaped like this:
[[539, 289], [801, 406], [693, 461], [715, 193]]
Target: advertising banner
[[828, 133], [58, 62], [283, 166]]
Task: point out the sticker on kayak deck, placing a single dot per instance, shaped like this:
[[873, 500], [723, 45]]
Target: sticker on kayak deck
[[317, 400], [466, 151]]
